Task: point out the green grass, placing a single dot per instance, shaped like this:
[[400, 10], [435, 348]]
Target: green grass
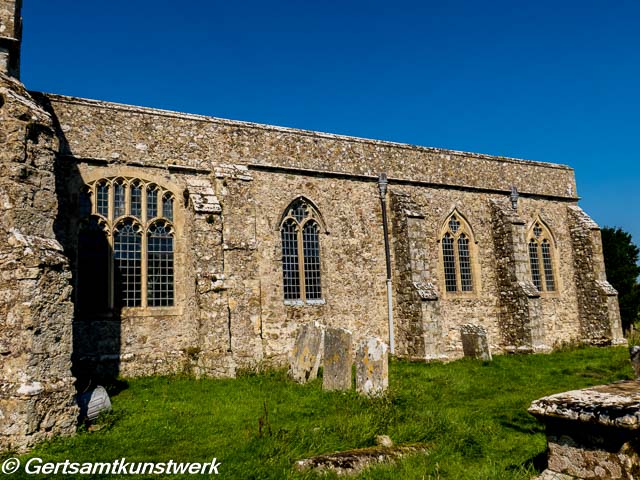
[[472, 415]]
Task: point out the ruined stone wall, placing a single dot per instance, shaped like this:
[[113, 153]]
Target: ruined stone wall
[[36, 386]]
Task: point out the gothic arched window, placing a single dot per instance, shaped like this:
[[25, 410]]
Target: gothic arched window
[[300, 236], [126, 245], [457, 247], [540, 245]]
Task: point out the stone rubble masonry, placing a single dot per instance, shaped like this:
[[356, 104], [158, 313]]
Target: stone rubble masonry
[[418, 321], [372, 367], [10, 37], [36, 386], [592, 433], [520, 310], [306, 355], [232, 182], [597, 299], [338, 359], [474, 342]]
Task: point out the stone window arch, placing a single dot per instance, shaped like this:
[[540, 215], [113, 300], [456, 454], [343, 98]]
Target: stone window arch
[[300, 228], [541, 248], [457, 255], [126, 245]]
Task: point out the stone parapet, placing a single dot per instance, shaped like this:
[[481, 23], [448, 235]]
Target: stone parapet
[[110, 131]]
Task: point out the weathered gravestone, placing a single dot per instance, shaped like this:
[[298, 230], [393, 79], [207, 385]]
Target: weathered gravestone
[[338, 359], [372, 367], [474, 342], [306, 355], [635, 360]]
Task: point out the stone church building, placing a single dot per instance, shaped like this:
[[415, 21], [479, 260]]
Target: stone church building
[[137, 241]]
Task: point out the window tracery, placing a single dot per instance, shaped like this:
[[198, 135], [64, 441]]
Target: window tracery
[[457, 249], [126, 248], [540, 246], [300, 236]]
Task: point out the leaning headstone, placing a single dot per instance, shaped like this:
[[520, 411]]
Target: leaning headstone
[[372, 367], [635, 360], [93, 403], [474, 342], [305, 357], [338, 359]]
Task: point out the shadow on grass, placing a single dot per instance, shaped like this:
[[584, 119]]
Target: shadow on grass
[[522, 422], [537, 462]]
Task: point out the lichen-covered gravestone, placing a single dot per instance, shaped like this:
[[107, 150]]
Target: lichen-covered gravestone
[[372, 367], [307, 353], [474, 342], [338, 359], [592, 433]]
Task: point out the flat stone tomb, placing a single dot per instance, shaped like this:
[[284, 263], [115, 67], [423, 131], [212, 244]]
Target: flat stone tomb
[[592, 433]]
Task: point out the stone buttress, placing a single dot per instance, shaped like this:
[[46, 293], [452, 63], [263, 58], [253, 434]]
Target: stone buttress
[[418, 322], [597, 300], [520, 314], [36, 385]]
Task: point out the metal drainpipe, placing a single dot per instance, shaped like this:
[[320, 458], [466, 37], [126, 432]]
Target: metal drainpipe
[[382, 186]]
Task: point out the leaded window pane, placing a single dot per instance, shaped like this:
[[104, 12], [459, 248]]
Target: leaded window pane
[[102, 194], [167, 206], [448, 255], [290, 261], [465, 263], [118, 199], [454, 224], [160, 273], [135, 207], [299, 211], [534, 260], [311, 255], [152, 202], [127, 248], [547, 265], [537, 231]]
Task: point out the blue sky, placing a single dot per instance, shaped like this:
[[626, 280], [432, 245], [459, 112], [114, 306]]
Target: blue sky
[[555, 81]]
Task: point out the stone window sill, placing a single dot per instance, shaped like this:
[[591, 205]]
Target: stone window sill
[[303, 303]]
